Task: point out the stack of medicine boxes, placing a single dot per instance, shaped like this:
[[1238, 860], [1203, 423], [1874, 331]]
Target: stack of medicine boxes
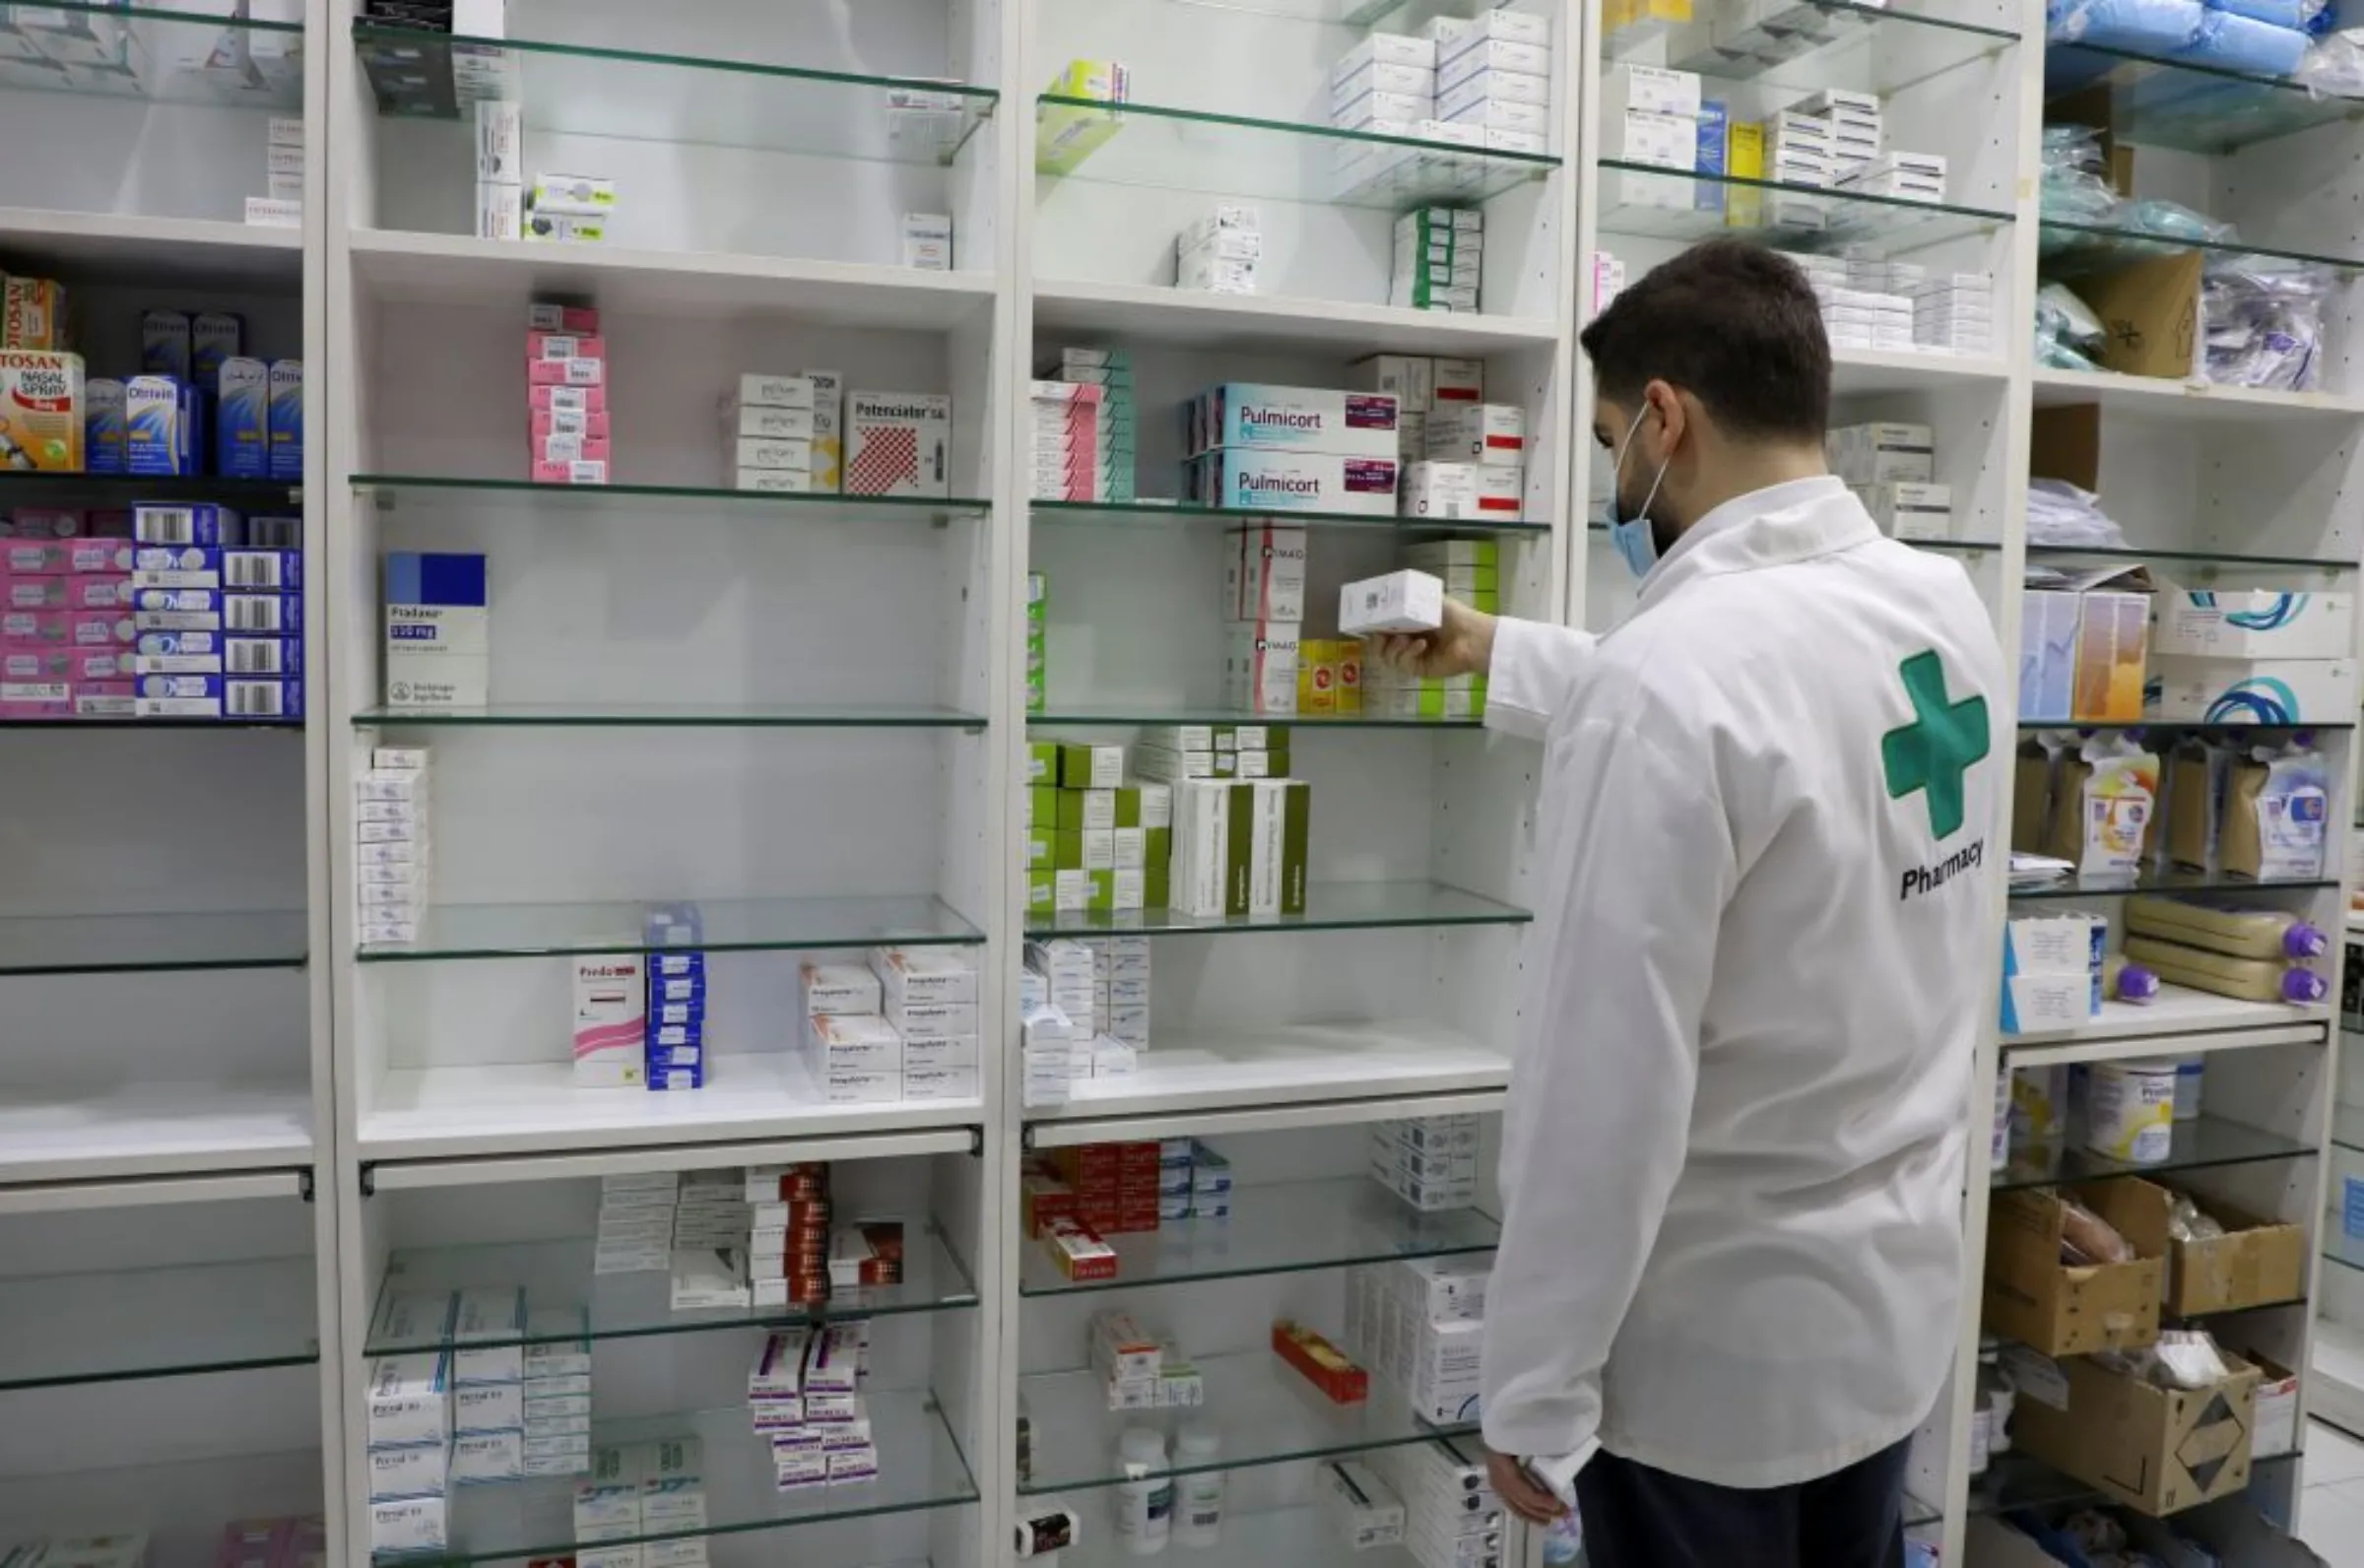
[[1087, 431], [1955, 311], [567, 381], [409, 1423], [1440, 259], [788, 1238], [557, 1391], [216, 617], [1121, 968], [636, 1224], [1422, 388], [1494, 74], [1264, 607], [1892, 469], [636, 1489], [575, 208], [1097, 843], [488, 1387], [931, 1000], [1038, 626], [1858, 308], [1431, 1162], [676, 997], [500, 169], [393, 843], [1277, 449], [1219, 253], [1071, 983], [1385, 86], [767, 433], [853, 1051], [1452, 1518]]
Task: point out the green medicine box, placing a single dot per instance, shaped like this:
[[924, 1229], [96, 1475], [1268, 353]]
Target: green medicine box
[[1042, 806], [1090, 767], [1081, 810], [1042, 763]]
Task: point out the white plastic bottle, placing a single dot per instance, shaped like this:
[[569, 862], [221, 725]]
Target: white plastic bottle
[[1145, 1503], [1198, 1498]]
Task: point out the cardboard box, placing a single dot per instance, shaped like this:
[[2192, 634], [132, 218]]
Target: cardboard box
[[2278, 691], [2253, 623], [2257, 1262], [2063, 1309], [2158, 1451]]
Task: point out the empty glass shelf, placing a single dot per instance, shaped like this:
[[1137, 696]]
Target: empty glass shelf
[[1871, 47], [1290, 1228], [2249, 731], [1673, 204], [1265, 1409], [2186, 105], [637, 1306], [732, 925], [574, 90], [157, 1323], [920, 1467], [27, 487], [1328, 906], [673, 715], [2165, 881], [1286, 161], [133, 943], [2073, 250], [650, 500], [1135, 514], [177, 57], [2225, 560], [1086, 715], [2197, 1145]]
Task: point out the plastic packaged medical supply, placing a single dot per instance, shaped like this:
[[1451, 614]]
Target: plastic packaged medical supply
[[2067, 332], [2244, 43], [2262, 322], [2086, 1238], [2143, 26], [2277, 815], [2075, 181], [2059, 513], [2101, 816], [2221, 925], [2306, 16], [2335, 66]]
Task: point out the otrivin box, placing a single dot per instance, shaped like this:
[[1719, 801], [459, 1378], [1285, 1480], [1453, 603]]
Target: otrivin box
[[159, 416], [285, 386], [439, 632], [242, 419], [1294, 420], [1245, 480], [214, 337], [166, 347], [104, 448]]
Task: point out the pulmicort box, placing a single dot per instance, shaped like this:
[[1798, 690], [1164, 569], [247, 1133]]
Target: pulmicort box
[[1290, 419], [1246, 480], [438, 631]]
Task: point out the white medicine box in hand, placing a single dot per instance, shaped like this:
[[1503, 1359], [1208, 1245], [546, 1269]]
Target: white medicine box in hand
[[1401, 601]]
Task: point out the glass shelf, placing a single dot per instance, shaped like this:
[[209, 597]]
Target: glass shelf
[[22, 488], [2015, 1480], [247, 64], [635, 500], [2070, 250], [572, 90], [1229, 154], [1141, 513], [1328, 906], [638, 1306], [1268, 1414], [2169, 882], [1090, 716], [1872, 50], [2230, 560], [157, 1323], [2342, 1248], [1672, 204], [33, 945], [2178, 726], [1599, 533], [732, 925], [2197, 1145], [93, 722], [2186, 105], [1295, 1227], [1401, 16], [671, 715], [920, 1467]]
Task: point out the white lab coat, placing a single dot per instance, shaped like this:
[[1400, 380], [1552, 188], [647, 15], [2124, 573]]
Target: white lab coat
[[1732, 1158]]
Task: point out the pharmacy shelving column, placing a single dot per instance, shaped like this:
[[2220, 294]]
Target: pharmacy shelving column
[[777, 708], [1278, 1042], [164, 1125]]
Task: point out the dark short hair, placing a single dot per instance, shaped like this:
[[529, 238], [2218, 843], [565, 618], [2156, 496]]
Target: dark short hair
[[1732, 323]]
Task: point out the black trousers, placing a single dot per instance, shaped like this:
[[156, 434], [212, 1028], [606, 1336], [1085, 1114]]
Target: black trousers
[[1636, 1517]]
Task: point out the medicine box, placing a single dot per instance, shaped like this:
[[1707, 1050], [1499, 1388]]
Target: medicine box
[[1244, 480], [898, 444], [1658, 141], [2251, 690], [1487, 433], [1263, 573], [438, 631], [1342, 423], [1399, 602], [1650, 89], [611, 1020], [2253, 623], [2052, 970]]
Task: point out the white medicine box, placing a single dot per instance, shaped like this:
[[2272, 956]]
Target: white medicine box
[[2253, 623]]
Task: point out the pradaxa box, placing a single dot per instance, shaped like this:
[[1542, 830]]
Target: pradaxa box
[[242, 419], [1294, 420], [1245, 480], [438, 633], [41, 407]]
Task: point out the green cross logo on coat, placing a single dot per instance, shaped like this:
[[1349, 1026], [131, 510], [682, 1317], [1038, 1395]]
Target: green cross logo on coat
[[1941, 744]]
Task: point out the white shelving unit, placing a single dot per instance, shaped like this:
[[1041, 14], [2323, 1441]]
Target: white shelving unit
[[809, 715]]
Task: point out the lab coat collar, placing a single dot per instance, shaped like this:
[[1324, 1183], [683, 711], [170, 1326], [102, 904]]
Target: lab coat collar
[[1792, 521]]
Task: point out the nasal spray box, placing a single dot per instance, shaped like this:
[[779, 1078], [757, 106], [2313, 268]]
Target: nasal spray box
[[40, 410], [163, 423], [286, 387], [242, 419], [611, 1020], [439, 631]]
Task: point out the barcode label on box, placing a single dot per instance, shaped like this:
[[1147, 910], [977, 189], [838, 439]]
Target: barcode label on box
[[258, 699], [257, 656]]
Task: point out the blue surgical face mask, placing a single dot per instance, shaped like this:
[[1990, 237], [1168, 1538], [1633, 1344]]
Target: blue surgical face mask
[[1636, 544]]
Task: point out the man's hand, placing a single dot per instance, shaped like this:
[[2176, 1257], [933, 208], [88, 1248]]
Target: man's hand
[[1463, 646], [1518, 1489]]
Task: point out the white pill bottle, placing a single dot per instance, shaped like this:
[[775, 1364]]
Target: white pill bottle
[[1145, 1503], [1198, 1498]]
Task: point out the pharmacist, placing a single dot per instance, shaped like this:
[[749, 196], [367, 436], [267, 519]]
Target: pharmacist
[[1731, 1265]]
